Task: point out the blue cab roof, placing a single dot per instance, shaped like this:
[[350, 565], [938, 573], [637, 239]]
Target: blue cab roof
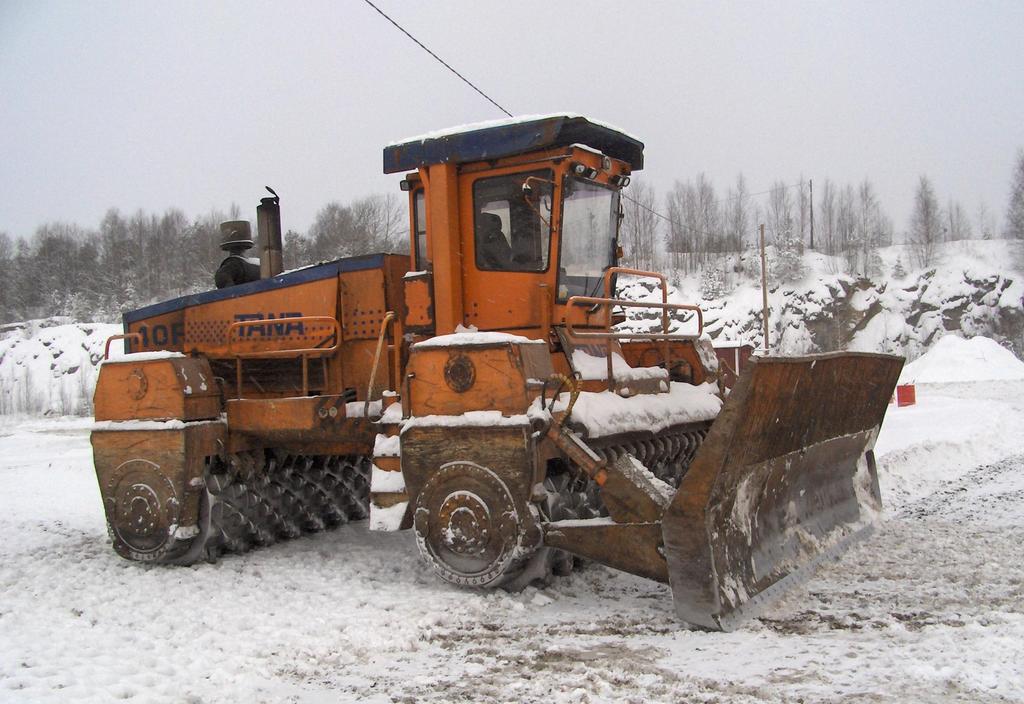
[[509, 138]]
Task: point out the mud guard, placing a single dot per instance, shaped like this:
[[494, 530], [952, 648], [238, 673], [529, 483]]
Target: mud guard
[[785, 478]]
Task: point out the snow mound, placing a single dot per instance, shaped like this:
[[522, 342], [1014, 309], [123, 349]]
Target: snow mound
[[954, 358]]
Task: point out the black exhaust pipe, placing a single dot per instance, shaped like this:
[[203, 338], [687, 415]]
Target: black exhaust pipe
[[268, 225]]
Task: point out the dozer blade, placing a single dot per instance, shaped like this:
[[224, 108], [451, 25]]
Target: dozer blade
[[785, 478]]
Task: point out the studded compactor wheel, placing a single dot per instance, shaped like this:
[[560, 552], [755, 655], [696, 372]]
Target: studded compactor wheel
[[145, 505], [469, 528]]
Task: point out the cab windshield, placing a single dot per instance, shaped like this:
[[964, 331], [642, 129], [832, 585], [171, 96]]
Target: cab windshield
[[590, 216]]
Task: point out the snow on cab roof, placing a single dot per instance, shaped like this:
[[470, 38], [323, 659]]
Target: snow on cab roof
[[507, 122], [495, 139]]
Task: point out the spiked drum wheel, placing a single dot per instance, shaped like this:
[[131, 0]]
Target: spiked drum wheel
[[467, 525], [145, 506]]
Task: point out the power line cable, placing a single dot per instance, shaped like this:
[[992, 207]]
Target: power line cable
[[439, 59], [507, 113]]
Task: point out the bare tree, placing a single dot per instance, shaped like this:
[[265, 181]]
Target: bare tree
[[803, 209], [925, 223], [708, 217], [958, 225], [640, 226], [780, 212], [873, 230], [367, 226], [296, 250], [379, 225], [736, 215], [695, 228], [333, 233], [827, 217], [173, 245], [682, 226], [846, 218], [1014, 228], [782, 229], [986, 222], [6, 276]]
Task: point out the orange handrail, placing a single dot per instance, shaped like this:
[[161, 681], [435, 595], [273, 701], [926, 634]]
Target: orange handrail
[[580, 301], [607, 335], [127, 336], [389, 317], [612, 270], [640, 273], [304, 352]]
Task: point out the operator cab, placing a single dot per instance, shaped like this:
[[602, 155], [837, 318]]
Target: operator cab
[[510, 219]]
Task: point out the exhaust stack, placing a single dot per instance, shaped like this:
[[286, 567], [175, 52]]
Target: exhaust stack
[[268, 224]]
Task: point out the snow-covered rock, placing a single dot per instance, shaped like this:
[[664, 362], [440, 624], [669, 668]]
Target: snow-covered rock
[[49, 366], [973, 290]]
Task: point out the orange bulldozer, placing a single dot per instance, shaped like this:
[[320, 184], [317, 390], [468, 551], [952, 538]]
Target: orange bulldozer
[[482, 391]]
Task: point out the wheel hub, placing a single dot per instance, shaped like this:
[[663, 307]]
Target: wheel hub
[[467, 525], [145, 505]]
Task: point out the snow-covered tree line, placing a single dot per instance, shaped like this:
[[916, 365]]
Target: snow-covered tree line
[[692, 226], [129, 261]]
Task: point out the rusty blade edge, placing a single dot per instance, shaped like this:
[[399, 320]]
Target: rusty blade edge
[[763, 599]]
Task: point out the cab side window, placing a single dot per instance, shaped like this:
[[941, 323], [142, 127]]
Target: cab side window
[[420, 220], [512, 224]]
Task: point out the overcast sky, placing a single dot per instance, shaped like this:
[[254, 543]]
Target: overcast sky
[[198, 105]]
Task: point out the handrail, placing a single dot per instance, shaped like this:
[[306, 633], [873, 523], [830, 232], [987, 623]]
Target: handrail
[[634, 272], [389, 318], [302, 351], [581, 301], [607, 335], [640, 273], [127, 336]]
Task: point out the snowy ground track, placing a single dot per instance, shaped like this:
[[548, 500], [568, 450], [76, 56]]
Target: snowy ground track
[[930, 608]]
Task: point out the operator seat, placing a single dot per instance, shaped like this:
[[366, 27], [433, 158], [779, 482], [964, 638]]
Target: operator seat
[[493, 250]]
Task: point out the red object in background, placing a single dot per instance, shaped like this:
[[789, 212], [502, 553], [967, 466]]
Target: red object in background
[[906, 395], [732, 360]]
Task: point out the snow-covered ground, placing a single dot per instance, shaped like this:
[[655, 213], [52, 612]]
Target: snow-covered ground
[[928, 609]]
